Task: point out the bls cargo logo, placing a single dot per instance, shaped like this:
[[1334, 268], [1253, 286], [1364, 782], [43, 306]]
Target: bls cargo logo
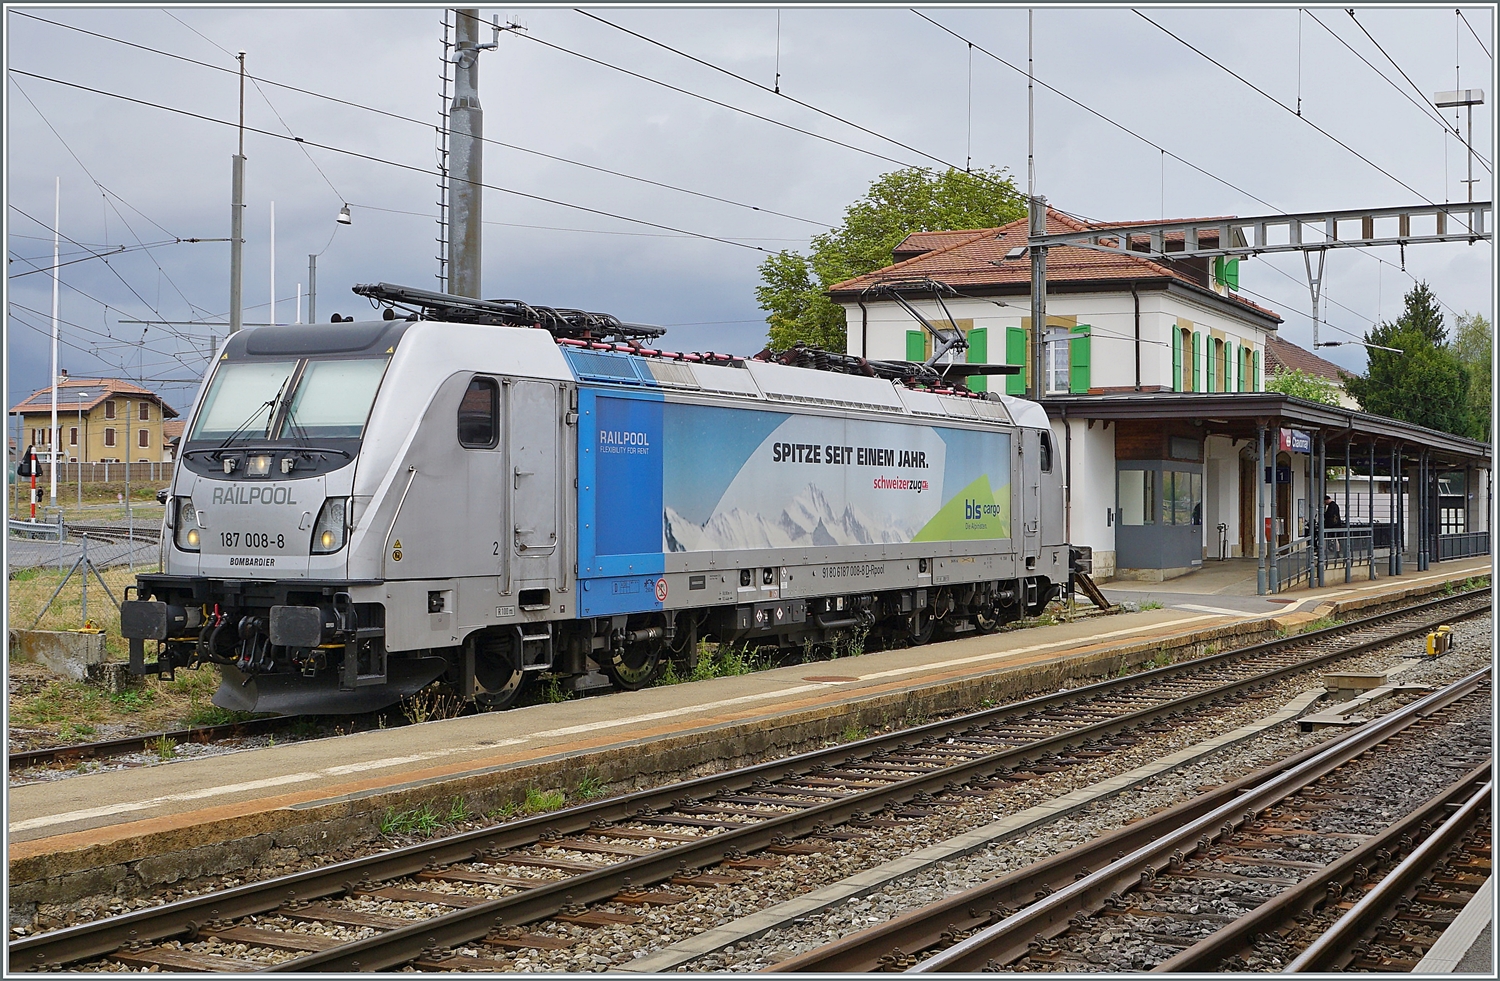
[[977, 513]]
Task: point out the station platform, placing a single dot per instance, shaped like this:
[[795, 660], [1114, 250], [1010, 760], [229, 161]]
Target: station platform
[[87, 834]]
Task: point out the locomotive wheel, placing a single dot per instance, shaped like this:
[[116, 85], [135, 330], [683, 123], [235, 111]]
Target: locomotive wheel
[[987, 619], [633, 667], [922, 626], [498, 678]]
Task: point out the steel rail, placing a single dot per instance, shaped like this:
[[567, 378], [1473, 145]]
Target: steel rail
[[1009, 939], [132, 744], [186, 916], [989, 902], [1330, 950], [462, 926], [1325, 885]]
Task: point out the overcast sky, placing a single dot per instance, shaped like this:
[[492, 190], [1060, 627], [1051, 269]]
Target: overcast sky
[[133, 174]]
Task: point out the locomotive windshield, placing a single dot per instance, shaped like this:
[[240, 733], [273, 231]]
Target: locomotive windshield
[[311, 399], [241, 399]]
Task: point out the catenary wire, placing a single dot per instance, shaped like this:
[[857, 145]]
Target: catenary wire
[[1129, 132], [554, 228], [1460, 13], [382, 160], [1257, 89], [418, 122], [1425, 108]]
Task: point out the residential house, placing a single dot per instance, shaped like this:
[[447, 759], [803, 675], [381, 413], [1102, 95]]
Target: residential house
[[1284, 356], [99, 420]]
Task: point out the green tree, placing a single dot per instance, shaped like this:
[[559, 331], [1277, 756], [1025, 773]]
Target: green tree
[[1302, 385], [1473, 341], [1423, 381], [793, 289]]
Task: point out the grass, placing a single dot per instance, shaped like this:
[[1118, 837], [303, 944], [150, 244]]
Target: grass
[[1150, 605], [590, 788], [1321, 623], [421, 820], [853, 733], [65, 711], [165, 747], [103, 504], [429, 704]]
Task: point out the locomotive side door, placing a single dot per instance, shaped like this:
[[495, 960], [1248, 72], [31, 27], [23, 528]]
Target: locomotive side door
[[1031, 504], [534, 418]]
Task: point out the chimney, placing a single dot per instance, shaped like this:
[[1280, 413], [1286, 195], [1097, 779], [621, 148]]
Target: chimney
[[62, 376]]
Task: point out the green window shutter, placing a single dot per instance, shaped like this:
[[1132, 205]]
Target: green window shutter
[[1176, 360], [1195, 384], [916, 345], [1231, 273], [1079, 375], [979, 353], [1231, 364], [1213, 365], [1255, 372], [1015, 353]]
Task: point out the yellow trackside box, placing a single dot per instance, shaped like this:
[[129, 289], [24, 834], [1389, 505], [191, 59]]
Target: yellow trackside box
[[1440, 641]]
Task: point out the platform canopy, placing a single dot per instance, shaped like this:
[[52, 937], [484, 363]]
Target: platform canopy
[[1239, 415]]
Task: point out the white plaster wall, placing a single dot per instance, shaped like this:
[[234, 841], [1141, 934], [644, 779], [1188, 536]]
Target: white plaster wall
[[1093, 463], [1111, 314], [1221, 494]]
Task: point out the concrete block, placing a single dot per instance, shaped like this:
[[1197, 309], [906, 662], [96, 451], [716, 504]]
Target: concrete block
[[69, 653], [115, 677]]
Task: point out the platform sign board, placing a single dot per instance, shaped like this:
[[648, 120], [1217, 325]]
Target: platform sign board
[[1295, 441]]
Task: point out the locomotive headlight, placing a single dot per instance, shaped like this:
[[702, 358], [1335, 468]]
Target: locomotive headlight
[[329, 530], [188, 533], [258, 466]]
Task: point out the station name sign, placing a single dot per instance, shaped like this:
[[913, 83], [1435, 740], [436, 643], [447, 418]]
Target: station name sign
[[1295, 441]]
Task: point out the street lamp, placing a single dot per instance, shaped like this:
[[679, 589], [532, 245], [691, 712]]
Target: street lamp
[[1470, 98]]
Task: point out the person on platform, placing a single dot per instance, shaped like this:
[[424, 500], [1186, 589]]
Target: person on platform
[[1331, 519]]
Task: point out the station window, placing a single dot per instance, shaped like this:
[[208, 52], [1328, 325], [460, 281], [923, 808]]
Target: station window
[[479, 414], [109, 408], [145, 437], [1181, 498], [109, 437], [145, 412], [1137, 489]]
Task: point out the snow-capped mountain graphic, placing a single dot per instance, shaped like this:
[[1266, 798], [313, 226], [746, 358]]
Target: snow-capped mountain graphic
[[810, 519]]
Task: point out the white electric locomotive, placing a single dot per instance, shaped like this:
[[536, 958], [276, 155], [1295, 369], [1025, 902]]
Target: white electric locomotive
[[485, 491]]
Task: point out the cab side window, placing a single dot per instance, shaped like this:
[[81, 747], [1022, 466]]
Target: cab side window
[[479, 414], [1046, 453]]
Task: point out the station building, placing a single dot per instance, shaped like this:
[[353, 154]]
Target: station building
[[1154, 379]]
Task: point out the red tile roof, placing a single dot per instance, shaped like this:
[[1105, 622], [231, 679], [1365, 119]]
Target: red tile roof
[[172, 429], [83, 394], [977, 260], [1286, 356]]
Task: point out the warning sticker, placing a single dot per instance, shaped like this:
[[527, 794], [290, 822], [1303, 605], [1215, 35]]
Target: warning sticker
[[661, 590]]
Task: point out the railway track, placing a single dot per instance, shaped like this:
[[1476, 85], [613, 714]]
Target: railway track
[[653, 847], [1464, 604], [1223, 881], [129, 745]]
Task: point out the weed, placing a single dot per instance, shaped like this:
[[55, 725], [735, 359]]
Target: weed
[[420, 820], [25, 574], [458, 810], [1322, 623], [431, 704], [554, 692], [165, 747], [305, 728], [539, 801], [1210, 650], [853, 732], [76, 730], [134, 699], [1150, 605], [590, 787], [507, 810], [1448, 588], [211, 715], [669, 675]]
